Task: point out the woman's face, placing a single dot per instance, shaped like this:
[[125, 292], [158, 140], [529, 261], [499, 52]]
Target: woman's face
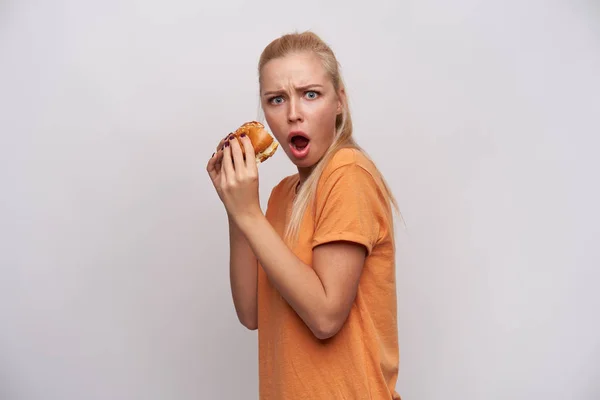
[[300, 106]]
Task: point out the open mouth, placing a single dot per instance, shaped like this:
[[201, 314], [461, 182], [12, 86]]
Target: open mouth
[[299, 142]]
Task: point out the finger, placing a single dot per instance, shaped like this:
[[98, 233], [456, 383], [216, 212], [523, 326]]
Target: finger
[[250, 155], [212, 168], [227, 163], [238, 157], [222, 141], [218, 160]]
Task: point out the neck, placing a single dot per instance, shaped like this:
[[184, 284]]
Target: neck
[[303, 174]]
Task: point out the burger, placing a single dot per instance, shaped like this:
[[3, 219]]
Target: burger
[[263, 143]]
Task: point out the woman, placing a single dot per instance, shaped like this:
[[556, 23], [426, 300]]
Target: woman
[[315, 274]]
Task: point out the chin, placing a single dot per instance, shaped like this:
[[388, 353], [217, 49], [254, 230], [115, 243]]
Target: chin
[[304, 163], [307, 162]]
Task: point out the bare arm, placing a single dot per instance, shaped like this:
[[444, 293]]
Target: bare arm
[[322, 295], [243, 271], [243, 266]]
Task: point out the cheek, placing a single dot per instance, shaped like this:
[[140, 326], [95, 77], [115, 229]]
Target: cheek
[[326, 117], [277, 129]]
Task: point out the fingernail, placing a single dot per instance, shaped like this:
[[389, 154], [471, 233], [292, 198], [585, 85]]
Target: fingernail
[[212, 155], [226, 144], [231, 137], [243, 135]]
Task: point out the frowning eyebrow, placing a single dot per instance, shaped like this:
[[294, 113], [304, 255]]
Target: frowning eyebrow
[[299, 88]]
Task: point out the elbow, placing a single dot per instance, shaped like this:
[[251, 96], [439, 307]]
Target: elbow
[[249, 324], [248, 319], [324, 334], [327, 326]]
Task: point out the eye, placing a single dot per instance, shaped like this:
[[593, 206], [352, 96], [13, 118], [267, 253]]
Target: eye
[[312, 94], [276, 100]]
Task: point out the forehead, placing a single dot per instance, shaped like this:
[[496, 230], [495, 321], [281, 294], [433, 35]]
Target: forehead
[[297, 69]]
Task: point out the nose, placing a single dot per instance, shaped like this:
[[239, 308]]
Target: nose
[[294, 111]]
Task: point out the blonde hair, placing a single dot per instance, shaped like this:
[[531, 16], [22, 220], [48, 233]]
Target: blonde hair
[[310, 42]]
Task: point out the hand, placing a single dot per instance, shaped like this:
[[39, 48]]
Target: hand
[[235, 177]]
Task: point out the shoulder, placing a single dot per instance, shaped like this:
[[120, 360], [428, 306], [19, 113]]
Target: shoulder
[[348, 160], [351, 198], [351, 173]]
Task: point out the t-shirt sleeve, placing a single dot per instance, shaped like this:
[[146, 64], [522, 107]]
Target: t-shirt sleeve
[[349, 207]]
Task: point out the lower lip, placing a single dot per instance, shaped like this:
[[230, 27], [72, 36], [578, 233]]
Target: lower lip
[[299, 154]]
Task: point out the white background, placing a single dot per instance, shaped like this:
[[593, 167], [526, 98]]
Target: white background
[[483, 115]]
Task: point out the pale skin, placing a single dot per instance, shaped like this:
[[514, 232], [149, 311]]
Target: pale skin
[[296, 94]]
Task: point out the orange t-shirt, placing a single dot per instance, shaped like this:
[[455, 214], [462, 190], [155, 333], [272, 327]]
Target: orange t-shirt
[[361, 360]]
